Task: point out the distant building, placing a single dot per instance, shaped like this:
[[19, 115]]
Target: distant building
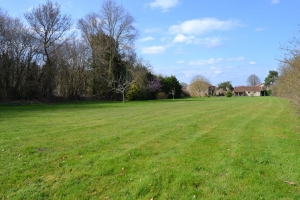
[[248, 90]]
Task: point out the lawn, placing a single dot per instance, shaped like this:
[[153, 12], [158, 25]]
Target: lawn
[[198, 148]]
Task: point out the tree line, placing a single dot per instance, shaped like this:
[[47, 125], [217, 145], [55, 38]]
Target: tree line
[[287, 84], [47, 59]]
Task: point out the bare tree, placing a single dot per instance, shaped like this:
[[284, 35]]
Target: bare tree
[[50, 28], [91, 31], [183, 85], [91, 27], [140, 72], [172, 92], [17, 54], [288, 82], [199, 86], [110, 35], [118, 25], [73, 73], [122, 84], [253, 80]]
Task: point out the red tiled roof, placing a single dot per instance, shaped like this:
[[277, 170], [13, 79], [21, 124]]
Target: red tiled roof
[[247, 88]]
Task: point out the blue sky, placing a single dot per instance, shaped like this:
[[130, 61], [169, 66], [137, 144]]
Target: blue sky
[[221, 40]]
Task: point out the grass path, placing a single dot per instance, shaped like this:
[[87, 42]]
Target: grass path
[[212, 148]]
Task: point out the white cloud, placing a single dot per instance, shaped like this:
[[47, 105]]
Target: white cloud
[[180, 62], [182, 38], [164, 5], [214, 61], [204, 25], [217, 72], [154, 50], [275, 1], [206, 62], [252, 63], [209, 42], [146, 39]]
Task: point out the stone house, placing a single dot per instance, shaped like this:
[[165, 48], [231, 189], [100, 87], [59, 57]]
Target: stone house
[[248, 91]]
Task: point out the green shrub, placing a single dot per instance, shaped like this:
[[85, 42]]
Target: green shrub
[[228, 93], [133, 93], [161, 95]]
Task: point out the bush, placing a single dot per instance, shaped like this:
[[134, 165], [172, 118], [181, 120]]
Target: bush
[[169, 83], [134, 93], [161, 95], [228, 93]]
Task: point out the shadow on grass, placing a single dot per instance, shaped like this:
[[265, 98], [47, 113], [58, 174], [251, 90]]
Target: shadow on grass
[[200, 99], [72, 105], [19, 107]]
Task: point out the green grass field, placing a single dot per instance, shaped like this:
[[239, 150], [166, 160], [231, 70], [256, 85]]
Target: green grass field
[[198, 148]]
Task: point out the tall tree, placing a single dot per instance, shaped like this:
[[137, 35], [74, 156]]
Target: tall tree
[[17, 54], [50, 28], [270, 79], [170, 85], [97, 43], [225, 85], [110, 36], [117, 23], [253, 80], [73, 72]]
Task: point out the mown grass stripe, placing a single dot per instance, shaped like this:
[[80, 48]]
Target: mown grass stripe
[[207, 148]]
